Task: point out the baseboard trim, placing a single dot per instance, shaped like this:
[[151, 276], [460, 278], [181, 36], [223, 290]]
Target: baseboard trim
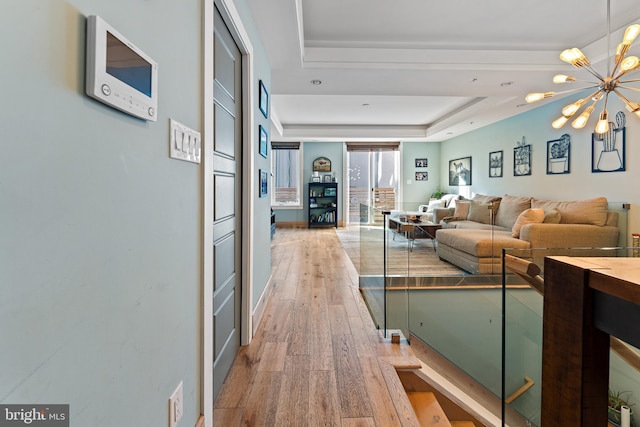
[[261, 306], [298, 224], [291, 224]]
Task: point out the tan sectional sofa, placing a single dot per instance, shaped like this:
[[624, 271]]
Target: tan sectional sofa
[[477, 231]]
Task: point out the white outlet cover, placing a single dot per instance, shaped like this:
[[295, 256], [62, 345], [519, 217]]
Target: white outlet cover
[[176, 406]]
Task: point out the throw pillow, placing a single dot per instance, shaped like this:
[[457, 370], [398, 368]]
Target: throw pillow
[[462, 209], [552, 216], [479, 212], [509, 209], [528, 216]]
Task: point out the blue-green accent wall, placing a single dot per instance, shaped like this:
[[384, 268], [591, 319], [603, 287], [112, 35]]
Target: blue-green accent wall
[[101, 241]]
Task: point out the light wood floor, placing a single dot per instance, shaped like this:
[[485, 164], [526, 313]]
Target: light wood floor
[[316, 359]]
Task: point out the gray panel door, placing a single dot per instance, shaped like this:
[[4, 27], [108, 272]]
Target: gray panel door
[[227, 184]]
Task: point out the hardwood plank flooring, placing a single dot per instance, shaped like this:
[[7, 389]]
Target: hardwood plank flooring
[[316, 358]]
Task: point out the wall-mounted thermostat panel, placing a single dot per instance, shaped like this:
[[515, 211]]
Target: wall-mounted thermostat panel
[[184, 142], [118, 73]]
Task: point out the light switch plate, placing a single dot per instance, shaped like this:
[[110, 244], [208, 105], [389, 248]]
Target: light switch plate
[[184, 142]]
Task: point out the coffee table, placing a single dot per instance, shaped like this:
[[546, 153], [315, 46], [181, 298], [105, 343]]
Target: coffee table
[[415, 230]]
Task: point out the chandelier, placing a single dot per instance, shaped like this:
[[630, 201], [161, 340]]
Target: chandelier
[[612, 82]]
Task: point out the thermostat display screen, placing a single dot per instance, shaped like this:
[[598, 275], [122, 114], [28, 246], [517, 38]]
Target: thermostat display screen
[[127, 66]]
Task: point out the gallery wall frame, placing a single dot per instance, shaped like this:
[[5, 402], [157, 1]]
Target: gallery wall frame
[[264, 140], [422, 163], [608, 149], [460, 171], [263, 100], [263, 183], [422, 176], [522, 158], [559, 155], [496, 160]]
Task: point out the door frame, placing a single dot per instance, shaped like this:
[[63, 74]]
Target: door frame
[[232, 19]]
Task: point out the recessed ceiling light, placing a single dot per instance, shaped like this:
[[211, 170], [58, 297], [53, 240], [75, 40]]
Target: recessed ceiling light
[[505, 84], [316, 82], [365, 104], [521, 105], [473, 80]]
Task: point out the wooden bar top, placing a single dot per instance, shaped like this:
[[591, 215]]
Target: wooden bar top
[[617, 276]]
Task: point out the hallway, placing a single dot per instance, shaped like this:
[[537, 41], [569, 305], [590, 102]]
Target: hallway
[[316, 358]]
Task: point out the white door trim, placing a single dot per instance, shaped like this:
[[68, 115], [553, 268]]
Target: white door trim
[[241, 37]]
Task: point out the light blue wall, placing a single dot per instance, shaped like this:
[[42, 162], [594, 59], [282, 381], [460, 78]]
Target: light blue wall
[[101, 241], [416, 193], [262, 213]]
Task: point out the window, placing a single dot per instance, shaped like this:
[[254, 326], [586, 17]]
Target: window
[[287, 175]]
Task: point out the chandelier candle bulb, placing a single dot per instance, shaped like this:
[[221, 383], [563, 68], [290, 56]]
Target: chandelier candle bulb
[[603, 123], [562, 78], [533, 97], [630, 34], [559, 122], [583, 118]]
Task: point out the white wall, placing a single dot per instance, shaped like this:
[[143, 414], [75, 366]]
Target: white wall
[[535, 126]]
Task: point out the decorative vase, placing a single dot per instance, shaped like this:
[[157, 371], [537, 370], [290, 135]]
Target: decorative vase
[[609, 161]]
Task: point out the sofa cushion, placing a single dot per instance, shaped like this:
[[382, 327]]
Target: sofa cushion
[[482, 198], [510, 208], [592, 211], [480, 243], [479, 212], [528, 216], [462, 209], [552, 216], [470, 225]]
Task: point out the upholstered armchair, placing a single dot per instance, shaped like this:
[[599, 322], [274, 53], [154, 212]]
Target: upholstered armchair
[[440, 208]]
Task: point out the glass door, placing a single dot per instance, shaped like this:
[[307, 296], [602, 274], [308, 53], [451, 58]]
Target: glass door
[[373, 184]]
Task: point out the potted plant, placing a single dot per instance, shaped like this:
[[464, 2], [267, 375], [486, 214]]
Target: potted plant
[[437, 194], [617, 400]]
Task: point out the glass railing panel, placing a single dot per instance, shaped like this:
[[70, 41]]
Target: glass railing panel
[[523, 311], [371, 266], [460, 318]]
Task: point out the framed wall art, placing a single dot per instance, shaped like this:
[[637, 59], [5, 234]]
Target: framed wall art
[[559, 155], [264, 141], [495, 164], [263, 100], [608, 149], [522, 158], [322, 164], [422, 176], [422, 163], [263, 183], [460, 171]]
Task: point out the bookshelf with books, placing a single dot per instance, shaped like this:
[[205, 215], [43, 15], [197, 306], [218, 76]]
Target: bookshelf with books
[[323, 204]]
